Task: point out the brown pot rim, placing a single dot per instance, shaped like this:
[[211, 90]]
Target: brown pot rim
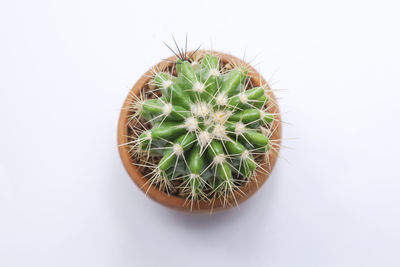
[[176, 202]]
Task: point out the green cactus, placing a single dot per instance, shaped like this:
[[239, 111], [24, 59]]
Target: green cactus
[[206, 127]]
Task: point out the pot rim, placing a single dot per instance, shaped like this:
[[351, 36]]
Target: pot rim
[[176, 202]]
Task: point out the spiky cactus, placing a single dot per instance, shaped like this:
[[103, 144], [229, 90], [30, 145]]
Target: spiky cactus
[[206, 128]]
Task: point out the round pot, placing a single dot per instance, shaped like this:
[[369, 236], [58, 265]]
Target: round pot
[[179, 203]]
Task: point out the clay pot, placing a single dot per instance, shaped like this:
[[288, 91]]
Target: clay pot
[[177, 202]]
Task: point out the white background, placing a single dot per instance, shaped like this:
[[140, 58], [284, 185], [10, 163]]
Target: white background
[[66, 68]]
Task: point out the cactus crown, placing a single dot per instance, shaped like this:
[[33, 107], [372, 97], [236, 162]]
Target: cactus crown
[[201, 130]]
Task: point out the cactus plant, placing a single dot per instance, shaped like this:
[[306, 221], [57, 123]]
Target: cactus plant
[[202, 128]]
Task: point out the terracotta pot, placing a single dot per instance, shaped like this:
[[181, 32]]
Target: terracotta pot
[[177, 202]]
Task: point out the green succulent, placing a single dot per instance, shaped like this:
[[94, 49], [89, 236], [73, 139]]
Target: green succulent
[[206, 127]]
